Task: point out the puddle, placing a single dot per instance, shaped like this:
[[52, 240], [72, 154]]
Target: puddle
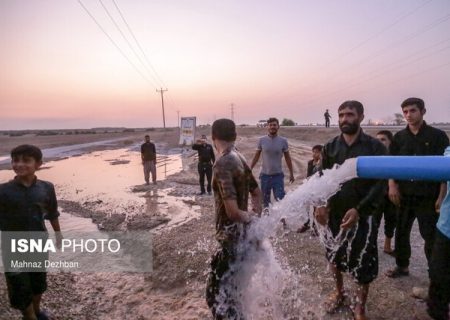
[[69, 222], [66, 151], [112, 181]]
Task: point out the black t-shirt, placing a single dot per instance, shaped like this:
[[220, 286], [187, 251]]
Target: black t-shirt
[[148, 151], [25, 208], [362, 194], [428, 141], [205, 153], [312, 168]]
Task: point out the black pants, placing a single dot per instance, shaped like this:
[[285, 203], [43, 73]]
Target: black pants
[[439, 292], [23, 286], [389, 211], [204, 169], [327, 123], [427, 218], [221, 294], [361, 259]]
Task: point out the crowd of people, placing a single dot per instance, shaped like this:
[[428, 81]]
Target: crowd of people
[[357, 208]]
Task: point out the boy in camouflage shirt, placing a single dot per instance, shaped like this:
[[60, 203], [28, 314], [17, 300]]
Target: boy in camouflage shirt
[[233, 181]]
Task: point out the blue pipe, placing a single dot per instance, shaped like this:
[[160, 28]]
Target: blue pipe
[[433, 168]]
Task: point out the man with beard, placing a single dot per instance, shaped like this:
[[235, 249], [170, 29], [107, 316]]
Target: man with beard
[[273, 147], [350, 210]]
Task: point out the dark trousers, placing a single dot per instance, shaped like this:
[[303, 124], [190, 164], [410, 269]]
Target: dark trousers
[[427, 218], [360, 256], [439, 291], [221, 294], [205, 168], [327, 123], [389, 211]]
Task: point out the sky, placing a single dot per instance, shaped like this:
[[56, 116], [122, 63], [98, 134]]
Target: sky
[[286, 58]]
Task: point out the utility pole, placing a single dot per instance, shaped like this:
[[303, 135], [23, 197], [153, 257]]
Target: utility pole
[[178, 116], [162, 104], [232, 111]]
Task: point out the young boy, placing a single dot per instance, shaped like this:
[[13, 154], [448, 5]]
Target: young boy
[[25, 202], [233, 185], [388, 209], [313, 166]]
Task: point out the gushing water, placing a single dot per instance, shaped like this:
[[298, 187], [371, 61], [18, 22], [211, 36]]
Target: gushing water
[[258, 275]]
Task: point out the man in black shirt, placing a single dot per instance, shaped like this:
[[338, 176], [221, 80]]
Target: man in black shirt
[[351, 208], [327, 117], [206, 160], [148, 156], [415, 199]]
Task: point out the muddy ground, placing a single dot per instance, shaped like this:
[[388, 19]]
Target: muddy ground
[[175, 288]]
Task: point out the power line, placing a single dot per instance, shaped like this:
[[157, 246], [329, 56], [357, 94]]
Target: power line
[[128, 43], [382, 51], [385, 70], [362, 43], [114, 43], [138, 44], [412, 75]]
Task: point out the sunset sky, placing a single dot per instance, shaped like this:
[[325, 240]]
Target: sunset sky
[[286, 58]]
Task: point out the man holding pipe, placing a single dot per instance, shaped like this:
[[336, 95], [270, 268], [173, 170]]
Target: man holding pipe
[[415, 199], [349, 211]]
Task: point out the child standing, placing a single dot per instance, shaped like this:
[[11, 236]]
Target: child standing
[[313, 166], [25, 202]]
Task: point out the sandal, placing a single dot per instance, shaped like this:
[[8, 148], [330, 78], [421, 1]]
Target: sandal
[[334, 302], [397, 273]]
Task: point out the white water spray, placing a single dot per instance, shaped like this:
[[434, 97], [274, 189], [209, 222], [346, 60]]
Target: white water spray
[[259, 277]]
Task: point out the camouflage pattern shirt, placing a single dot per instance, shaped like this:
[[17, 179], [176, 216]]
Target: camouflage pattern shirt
[[232, 180]]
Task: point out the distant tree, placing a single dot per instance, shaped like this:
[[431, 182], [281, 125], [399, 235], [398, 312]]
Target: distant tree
[[399, 119], [287, 122]]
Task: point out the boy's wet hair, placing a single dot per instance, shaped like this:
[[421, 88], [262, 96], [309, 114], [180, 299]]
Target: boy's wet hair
[[27, 150], [146, 136], [317, 147], [386, 133], [414, 101], [224, 129], [352, 104], [270, 120]]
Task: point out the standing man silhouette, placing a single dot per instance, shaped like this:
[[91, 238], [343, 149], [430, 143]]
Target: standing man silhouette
[[148, 157], [327, 118], [206, 160]]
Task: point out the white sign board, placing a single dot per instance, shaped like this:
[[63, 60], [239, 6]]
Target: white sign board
[[187, 130]]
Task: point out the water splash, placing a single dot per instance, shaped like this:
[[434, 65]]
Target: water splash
[[259, 277]]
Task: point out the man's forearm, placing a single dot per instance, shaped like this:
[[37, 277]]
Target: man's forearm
[[255, 160], [288, 159], [55, 225]]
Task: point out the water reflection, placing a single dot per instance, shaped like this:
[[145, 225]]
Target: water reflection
[[112, 181]]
